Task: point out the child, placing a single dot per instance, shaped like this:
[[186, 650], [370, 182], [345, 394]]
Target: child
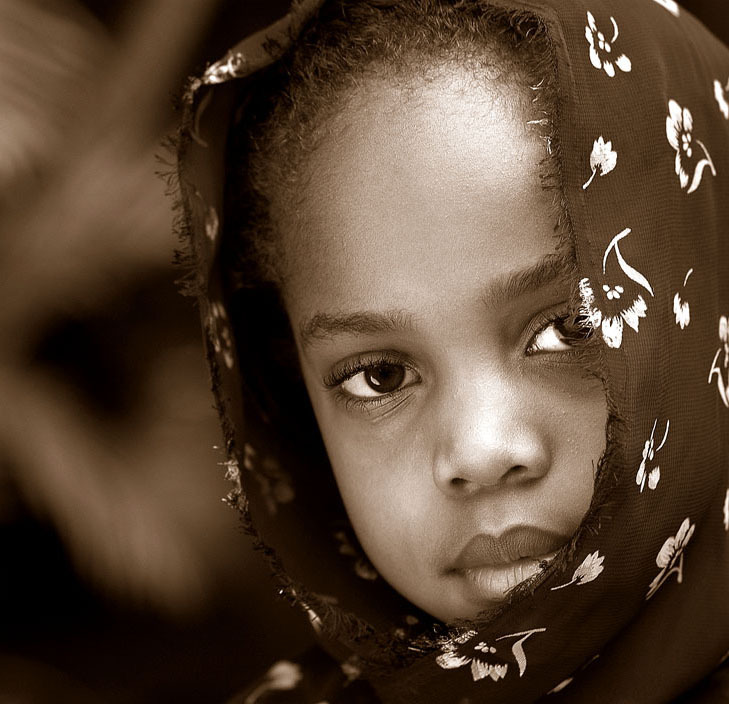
[[476, 249]]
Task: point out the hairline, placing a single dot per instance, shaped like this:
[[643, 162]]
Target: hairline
[[407, 81], [505, 47]]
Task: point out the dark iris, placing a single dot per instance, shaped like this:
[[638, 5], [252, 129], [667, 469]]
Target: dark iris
[[385, 378], [574, 329]]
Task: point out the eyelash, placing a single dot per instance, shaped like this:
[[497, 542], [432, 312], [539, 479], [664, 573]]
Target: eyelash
[[350, 368], [544, 320], [362, 363]]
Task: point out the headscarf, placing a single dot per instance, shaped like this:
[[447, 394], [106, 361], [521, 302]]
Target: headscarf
[[636, 608]]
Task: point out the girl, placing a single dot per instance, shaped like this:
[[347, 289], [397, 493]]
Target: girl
[[459, 265]]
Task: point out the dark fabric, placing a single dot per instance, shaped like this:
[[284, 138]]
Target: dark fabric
[[643, 149], [714, 688], [312, 677]]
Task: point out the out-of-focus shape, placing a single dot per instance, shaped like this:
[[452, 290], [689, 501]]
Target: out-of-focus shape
[[93, 213], [50, 54], [83, 219]]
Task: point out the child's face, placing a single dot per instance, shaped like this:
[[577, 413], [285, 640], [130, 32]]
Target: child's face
[[430, 320]]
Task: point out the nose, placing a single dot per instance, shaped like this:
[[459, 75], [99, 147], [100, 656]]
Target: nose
[[489, 438]]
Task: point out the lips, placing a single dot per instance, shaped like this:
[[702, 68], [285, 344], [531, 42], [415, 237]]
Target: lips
[[489, 566], [484, 550]]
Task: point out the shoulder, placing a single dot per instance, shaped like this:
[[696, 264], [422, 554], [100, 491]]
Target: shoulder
[[313, 678]]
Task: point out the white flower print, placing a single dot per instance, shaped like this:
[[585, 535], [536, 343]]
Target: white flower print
[[670, 557], [212, 224], [726, 511], [720, 371], [653, 476], [612, 325], [453, 656], [682, 311], [351, 668], [282, 676], [679, 131], [720, 95], [601, 50], [483, 657], [588, 571], [602, 159], [364, 570], [231, 66], [562, 685], [681, 308], [249, 454], [275, 483], [361, 565], [232, 475], [670, 5], [480, 669], [567, 682], [220, 334], [232, 471]]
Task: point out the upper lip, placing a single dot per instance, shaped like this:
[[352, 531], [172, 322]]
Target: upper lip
[[513, 544]]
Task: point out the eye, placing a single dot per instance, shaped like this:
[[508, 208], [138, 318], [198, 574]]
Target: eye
[[561, 333], [379, 379]]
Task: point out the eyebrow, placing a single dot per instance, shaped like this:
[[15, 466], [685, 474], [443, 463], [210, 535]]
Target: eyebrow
[[508, 287], [324, 326]]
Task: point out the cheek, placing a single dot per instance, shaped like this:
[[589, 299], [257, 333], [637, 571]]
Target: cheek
[[581, 431], [589, 423], [382, 487], [373, 478]]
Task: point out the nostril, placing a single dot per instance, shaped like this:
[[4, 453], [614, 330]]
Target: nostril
[[516, 473], [490, 460]]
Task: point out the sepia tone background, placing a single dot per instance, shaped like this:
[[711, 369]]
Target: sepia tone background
[[123, 577]]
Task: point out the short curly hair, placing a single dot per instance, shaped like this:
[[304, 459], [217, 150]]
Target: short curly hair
[[284, 114]]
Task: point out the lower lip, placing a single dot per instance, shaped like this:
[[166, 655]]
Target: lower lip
[[490, 583]]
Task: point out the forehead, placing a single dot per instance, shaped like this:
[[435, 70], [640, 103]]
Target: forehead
[[409, 183]]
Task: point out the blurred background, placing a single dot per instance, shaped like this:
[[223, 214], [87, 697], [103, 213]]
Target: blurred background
[[123, 577]]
